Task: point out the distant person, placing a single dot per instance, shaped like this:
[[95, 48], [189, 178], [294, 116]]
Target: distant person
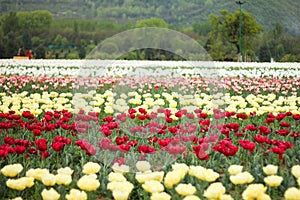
[[19, 52], [29, 54], [22, 53]]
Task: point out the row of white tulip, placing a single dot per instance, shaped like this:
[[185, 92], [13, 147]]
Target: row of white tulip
[[140, 68]]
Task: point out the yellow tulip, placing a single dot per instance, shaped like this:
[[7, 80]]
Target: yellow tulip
[[50, 194], [153, 186], [185, 189], [63, 179], [273, 180], [292, 194], [241, 178], [160, 196], [49, 179], [116, 177], [76, 195], [296, 171], [235, 169], [12, 170], [91, 168], [143, 166], [191, 197], [255, 191], [88, 182], [270, 169]]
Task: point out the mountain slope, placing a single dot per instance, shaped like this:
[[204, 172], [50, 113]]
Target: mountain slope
[[180, 13]]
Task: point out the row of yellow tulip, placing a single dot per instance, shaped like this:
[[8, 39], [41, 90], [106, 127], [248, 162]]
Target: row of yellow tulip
[[111, 103], [156, 183]]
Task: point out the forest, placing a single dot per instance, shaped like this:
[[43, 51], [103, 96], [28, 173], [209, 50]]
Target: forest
[[179, 13], [49, 36]]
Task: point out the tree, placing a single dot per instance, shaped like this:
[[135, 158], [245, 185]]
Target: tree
[[264, 54], [75, 34], [34, 22], [58, 40], [274, 44], [226, 28], [36, 41], [218, 50], [26, 37], [11, 45], [81, 52], [40, 52], [202, 28], [152, 22], [10, 23], [10, 32], [2, 47]]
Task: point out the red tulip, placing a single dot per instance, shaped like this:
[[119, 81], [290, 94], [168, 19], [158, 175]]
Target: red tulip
[[124, 147], [296, 116], [141, 117], [133, 143], [241, 116], [132, 111], [20, 149], [142, 111], [48, 118], [90, 150], [284, 124], [119, 161], [105, 130], [173, 130], [246, 144], [260, 139], [289, 113], [169, 120], [28, 115], [108, 119], [3, 153], [44, 154], [66, 126], [164, 142], [32, 151], [175, 149], [167, 113], [250, 127], [226, 148], [146, 149], [36, 132], [58, 146], [280, 116], [9, 140], [41, 144], [269, 120], [203, 115], [119, 140], [264, 130], [283, 132], [179, 114]]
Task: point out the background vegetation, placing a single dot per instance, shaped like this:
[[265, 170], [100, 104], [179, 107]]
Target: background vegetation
[[72, 28]]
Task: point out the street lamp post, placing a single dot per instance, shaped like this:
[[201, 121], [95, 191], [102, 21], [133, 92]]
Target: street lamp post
[[240, 2]]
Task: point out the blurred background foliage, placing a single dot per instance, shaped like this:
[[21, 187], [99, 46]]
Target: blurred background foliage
[[71, 29]]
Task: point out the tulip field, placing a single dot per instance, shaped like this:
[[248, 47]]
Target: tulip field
[[74, 130]]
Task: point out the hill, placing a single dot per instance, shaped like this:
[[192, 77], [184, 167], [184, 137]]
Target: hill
[[179, 13]]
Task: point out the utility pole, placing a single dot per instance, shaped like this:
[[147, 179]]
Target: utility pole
[[241, 2]]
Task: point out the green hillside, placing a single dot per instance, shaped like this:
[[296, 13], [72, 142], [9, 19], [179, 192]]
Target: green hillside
[[179, 13]]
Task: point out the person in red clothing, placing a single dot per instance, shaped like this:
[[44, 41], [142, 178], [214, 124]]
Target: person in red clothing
[[29, 54]]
